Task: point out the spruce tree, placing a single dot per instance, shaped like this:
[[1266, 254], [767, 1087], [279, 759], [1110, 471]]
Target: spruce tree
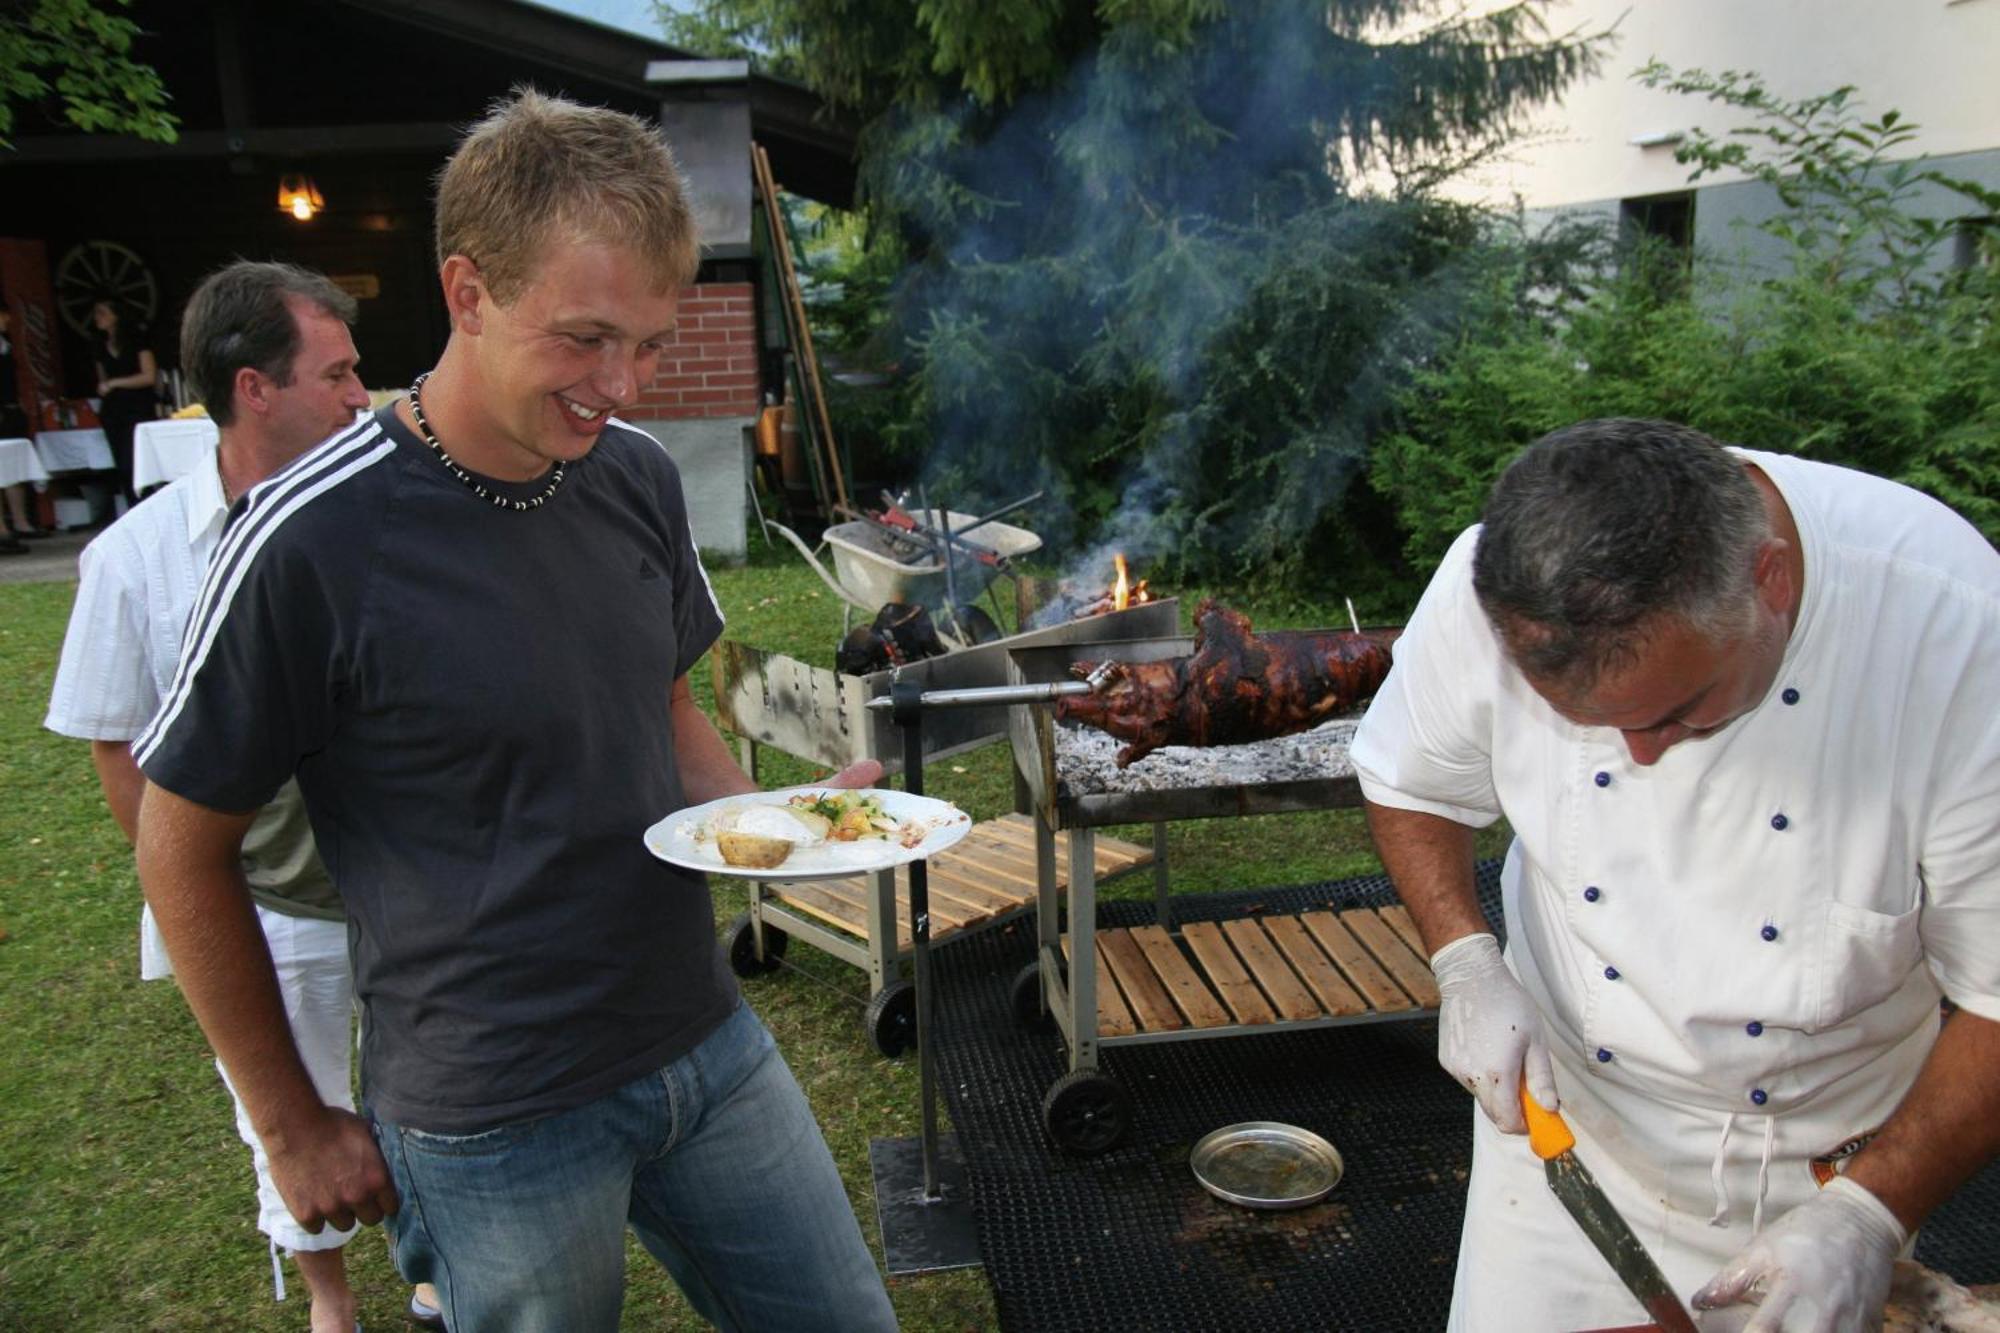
[[1166, 259]]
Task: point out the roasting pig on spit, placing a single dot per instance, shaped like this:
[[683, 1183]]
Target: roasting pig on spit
[[1236, 687]]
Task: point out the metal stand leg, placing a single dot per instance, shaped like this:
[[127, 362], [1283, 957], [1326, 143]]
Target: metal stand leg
[[1083, 948], [759, 892], [922, 1200], [882, 930], [1048, 903]]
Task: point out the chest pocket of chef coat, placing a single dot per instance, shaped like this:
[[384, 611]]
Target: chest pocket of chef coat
[[1867, 957]]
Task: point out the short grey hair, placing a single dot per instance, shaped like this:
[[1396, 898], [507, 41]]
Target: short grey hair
[[1601, 531], [241, 316]]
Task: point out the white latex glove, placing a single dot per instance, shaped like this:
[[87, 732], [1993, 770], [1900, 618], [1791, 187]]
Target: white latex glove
[[1489, 1031], [1821, 1268]]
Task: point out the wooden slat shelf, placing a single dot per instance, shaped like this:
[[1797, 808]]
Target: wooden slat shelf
[[1111, 1011], [1382, 940], [990, 874], [1222, 970], [1140, 982], [1356, 963], [1255, 970]]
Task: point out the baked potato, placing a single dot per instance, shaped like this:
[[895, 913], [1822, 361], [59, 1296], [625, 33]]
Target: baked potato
[[753, 851]]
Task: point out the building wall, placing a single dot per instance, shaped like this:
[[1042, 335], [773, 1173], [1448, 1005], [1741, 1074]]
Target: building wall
[[714, 464], [703, 394], [1935, 61], [709, 369], [1727, 217]]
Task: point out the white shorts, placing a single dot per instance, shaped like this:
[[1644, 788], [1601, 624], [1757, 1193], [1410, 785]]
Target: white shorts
[[154, 964], [317, 984]]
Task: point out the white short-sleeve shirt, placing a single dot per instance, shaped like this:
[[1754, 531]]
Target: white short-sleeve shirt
[[139, 579]]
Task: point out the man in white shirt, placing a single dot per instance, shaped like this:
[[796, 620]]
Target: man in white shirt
[[1737, 708], [268, 351]]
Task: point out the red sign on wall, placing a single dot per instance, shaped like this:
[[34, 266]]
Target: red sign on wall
[[24, 278]]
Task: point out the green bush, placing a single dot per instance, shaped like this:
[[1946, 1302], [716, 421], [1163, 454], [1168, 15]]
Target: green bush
[[1865, 350]]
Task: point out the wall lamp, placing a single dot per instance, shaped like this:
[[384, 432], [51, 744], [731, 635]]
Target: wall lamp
[[298, 196]]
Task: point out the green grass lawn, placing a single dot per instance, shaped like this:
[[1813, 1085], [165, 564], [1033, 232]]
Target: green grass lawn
[[126, 1201]]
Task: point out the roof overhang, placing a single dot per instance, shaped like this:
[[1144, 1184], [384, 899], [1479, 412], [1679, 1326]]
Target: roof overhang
[[810, 145]]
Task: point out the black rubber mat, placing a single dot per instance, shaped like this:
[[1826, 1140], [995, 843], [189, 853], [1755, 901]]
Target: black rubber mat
[[1962, 1238], [1129, 1240]]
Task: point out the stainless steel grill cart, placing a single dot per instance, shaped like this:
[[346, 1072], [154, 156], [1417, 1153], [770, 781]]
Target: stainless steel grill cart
[[1155, 983], [818, 715]]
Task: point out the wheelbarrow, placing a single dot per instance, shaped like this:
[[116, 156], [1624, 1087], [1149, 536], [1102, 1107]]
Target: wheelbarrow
[[901, 559]]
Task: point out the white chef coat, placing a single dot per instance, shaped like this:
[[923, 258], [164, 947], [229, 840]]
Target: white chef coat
[[1739, 950]]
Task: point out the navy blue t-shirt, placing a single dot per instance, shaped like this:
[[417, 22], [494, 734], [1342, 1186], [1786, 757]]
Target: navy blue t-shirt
[[475, 701]]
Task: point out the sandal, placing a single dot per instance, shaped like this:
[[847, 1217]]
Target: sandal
[[423, 1314]]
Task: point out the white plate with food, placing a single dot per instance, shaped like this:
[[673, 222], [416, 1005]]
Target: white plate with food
[[806, 833]]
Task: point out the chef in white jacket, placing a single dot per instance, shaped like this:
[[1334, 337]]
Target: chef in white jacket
[[1742, 712]]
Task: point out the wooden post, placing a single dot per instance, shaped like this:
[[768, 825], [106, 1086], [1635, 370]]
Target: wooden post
[[808, 361]]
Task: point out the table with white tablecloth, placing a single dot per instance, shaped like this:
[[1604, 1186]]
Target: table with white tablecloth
[[82, 450], [19, 463], [164, 450]]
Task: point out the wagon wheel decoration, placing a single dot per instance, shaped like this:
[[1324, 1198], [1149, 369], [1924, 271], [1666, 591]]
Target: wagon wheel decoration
[[92, 270]]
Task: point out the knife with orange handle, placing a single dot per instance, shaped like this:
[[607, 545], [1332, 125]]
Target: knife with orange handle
[[1579, 1193]]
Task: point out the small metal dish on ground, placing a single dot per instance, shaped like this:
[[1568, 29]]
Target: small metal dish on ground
[[1265, 1164]]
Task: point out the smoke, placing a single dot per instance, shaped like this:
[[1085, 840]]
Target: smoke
[[1148, 293]]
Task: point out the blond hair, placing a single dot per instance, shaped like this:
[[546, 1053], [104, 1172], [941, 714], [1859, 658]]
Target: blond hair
[[541, 170]]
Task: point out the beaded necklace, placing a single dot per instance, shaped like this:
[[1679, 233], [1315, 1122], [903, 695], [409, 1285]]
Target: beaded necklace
[[477, 487]]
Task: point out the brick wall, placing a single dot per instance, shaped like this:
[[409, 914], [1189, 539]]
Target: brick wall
[[710, 368]]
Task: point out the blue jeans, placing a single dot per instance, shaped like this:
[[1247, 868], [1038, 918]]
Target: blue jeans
[[715, 1161]]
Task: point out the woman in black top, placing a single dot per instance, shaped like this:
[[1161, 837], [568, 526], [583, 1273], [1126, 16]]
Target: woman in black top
[[126, 374]]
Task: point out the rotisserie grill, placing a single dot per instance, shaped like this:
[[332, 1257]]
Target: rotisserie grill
[[1236, 687], [1207, 979]]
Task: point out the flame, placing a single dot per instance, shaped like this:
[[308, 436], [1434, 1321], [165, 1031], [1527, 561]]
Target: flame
[[1124, 593]]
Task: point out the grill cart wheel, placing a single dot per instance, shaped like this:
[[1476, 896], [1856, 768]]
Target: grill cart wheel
[[1087, 1113], [891, 1018], [1030, 1013], [742, 939]]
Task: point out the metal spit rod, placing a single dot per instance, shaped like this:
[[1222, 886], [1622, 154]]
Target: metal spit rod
[[975, 696]]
